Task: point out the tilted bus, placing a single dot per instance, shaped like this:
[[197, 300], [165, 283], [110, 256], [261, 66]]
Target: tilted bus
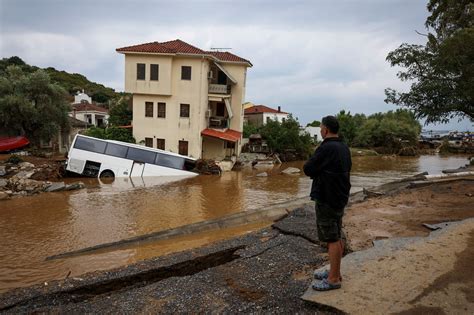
[[94, 157]]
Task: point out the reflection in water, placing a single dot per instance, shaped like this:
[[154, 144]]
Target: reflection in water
[[32, 228]]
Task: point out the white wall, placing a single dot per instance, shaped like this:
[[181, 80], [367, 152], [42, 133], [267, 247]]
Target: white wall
[[315, 133], [274, 116], [82, 97]]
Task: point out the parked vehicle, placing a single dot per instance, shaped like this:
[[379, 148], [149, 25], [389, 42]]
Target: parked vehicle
[[108, 158], [13, 143]]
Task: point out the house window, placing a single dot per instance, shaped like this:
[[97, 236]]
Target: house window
[[184, 110], [268, 119], [148, 109], [154, 72], [149, 142], [185, 73], [140, 71], [183, 147], [160, 144], [161, 110]]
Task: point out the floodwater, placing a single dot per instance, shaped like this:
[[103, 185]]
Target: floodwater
[[33, 228]]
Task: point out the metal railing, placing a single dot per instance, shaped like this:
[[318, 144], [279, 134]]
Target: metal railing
[[219, 88], [219, 123]]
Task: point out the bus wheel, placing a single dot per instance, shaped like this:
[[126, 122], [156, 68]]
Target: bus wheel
[[107, 174]]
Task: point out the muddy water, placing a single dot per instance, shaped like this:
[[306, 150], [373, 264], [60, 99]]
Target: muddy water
[[33, 228]]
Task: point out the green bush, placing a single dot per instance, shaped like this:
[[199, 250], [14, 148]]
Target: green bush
[[14, 159], [111, 133], [388, 130]]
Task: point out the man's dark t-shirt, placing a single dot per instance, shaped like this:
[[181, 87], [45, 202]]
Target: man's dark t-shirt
[[330, 167]]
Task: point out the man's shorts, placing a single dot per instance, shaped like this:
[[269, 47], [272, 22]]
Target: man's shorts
[[329, 222]]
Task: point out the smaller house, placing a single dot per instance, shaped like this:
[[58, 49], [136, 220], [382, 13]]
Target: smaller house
[[90, 113], [259, 115]]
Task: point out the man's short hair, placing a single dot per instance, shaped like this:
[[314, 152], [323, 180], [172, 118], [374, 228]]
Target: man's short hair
[[331, 123]]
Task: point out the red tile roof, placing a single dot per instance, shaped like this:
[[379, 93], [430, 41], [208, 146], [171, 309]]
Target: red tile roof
[[177, 46], [227, 56], [153, 47], [229, 134], [258, 109], [84, 107]]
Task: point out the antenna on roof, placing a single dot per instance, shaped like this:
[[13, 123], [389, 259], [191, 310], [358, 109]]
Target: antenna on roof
[[220, 48]]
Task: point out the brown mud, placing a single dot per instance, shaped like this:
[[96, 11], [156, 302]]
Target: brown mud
[[402, 215]]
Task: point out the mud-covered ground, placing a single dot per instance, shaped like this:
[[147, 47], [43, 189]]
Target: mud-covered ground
[[402, 214], [51, 169], [265, 271]]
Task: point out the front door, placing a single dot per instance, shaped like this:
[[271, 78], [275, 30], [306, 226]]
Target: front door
[[137, 169]]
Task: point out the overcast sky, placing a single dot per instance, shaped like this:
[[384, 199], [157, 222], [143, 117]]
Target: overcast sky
[[312, 58]]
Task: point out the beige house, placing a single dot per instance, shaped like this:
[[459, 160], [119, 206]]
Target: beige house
[[185, 99]]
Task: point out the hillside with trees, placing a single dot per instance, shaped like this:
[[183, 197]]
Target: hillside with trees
[[70, 82], [35, 102]]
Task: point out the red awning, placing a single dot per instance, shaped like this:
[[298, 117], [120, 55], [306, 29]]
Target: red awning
[[228, 135]]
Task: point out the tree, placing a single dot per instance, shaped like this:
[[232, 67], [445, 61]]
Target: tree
[[286, 136], [70, 82], [250, 129], [349, 125], [31, 105], [315, 123], [442, 70], [112, 133], [120, 114], [388, 130]]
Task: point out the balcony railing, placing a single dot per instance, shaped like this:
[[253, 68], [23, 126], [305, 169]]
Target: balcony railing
[[219, 89], [219, 123]]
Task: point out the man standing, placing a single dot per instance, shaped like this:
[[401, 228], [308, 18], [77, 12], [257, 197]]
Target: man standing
[[330, 167]]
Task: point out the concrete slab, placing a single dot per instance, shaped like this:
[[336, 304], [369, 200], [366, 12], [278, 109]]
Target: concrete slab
[[408, 275]]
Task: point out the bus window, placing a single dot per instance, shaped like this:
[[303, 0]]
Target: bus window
[[91, 145], [169, 161], [141, 155], [116, 150]]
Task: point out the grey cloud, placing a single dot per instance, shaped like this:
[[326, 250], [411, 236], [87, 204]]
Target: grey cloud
[[312, 58]]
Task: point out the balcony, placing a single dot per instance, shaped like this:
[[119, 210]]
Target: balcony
[[219, 89]]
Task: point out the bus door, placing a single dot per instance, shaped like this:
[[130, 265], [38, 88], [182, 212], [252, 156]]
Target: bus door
[[137, 169]]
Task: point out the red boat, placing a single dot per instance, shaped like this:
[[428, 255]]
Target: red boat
[[13, 143]]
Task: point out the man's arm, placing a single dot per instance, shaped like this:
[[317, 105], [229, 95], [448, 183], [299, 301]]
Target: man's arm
[[314, 165]]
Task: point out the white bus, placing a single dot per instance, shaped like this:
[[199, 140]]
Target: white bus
[[94, 157]]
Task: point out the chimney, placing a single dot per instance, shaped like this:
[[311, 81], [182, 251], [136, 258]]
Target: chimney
[[279, 109]]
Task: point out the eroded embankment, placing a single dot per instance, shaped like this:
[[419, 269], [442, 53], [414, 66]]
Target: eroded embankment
[[264, 271]]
